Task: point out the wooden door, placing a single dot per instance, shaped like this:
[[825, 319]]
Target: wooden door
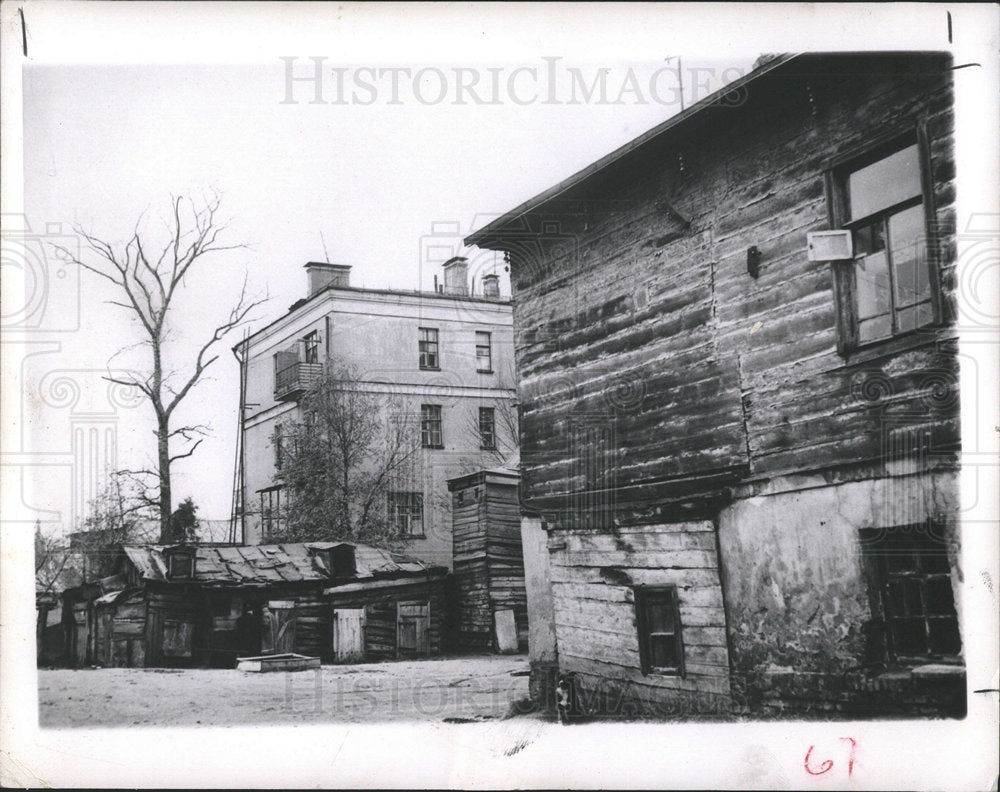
[[102, 641], [283, 626], [81, 634], [348, 635], [412, 623]]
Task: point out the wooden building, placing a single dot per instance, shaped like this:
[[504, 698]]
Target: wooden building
[[491, 612], [737, 363], [187, 605]]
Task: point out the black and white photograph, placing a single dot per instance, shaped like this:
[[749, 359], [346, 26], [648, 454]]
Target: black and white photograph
[[528, 395]]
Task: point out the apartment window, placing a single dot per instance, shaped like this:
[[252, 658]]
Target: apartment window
[[311, 345], [279, 447], [484, 353], [890, 286], [487, 428], [659, 625], [270, 511], [406, 513], [912, 598], [430, 426], [429, 358]]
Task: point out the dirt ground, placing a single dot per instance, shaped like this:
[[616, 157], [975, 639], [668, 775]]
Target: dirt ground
[[456, 690]]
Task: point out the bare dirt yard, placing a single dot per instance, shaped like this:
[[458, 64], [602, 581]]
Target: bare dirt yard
[[455, 690]]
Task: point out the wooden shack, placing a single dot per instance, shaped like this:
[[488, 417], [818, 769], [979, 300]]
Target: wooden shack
[[488, 562], [189, 605], [737, 362]]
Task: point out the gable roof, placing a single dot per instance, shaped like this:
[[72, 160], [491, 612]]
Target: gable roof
[[263, 565], [484, 235]]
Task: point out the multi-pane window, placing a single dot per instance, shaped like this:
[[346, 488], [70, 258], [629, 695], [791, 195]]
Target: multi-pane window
[[659, 625], [429, 358], [430, 426], [888, 289], [484, 352], [914, 600], [487, 428], [270, 511], [406, 513], [311, 347]]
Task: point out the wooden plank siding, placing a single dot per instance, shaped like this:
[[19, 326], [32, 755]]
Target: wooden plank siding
[[593, 578], [380, 606], [488, 560]]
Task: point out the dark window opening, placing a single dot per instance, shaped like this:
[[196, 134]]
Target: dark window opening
[[270, 512], [484, 353], [428, 344], [911, 592], [406, 513], [311, 345], [658, 620], [487, 428], [430, 426]]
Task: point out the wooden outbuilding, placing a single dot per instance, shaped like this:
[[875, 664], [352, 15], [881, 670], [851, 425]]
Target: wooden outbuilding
[[189, 605], [491, 606]]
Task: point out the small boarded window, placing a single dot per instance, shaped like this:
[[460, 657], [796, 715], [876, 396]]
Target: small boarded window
[[177, 638], [659, 625]]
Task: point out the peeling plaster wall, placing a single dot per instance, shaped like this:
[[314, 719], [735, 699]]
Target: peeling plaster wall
[[793, 576]]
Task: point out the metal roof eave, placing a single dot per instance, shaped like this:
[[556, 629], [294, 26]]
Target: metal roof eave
[[492, 229]]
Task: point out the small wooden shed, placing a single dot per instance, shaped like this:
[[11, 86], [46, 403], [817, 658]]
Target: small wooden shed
[[491, 608], [187, 605]]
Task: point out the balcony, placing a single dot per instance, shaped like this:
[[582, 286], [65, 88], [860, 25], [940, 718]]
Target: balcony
[[292, 381]]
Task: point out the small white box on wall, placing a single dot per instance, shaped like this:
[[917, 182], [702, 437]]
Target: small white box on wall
[[830, 245]]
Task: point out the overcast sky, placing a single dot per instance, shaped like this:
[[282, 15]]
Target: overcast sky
[[394, 167], [426, 122]]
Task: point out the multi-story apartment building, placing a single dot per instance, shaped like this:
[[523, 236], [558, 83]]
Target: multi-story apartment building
[[445, 356]]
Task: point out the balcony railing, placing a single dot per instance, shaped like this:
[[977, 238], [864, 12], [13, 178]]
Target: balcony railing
[[295, 379]]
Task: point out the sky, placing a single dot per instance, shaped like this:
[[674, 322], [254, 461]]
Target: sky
[[404, 158]]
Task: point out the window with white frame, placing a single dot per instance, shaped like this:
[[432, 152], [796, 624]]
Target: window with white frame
[[430, 426], [428, 344], [484, 353], [406, 513], [890, 287]]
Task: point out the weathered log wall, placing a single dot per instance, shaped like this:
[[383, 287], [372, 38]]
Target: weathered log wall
[[629, 314]]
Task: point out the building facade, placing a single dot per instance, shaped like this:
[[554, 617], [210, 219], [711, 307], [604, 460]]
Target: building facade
[[737, 369], [445, 358]]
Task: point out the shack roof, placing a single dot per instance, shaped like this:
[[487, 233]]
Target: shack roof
[[263, 565], [491, 231]]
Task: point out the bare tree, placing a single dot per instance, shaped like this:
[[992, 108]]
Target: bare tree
[[119, 515], [340, 460], [506, 425], [51, 559], [148, 276]]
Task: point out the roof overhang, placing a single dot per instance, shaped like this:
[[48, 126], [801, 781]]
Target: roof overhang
[[491, 232]]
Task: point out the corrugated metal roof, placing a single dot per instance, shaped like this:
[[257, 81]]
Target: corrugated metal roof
[[273, 564]]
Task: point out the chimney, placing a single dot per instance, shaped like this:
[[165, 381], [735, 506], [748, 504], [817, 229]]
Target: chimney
[[491, 286], [322, 275], [456, 271]]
